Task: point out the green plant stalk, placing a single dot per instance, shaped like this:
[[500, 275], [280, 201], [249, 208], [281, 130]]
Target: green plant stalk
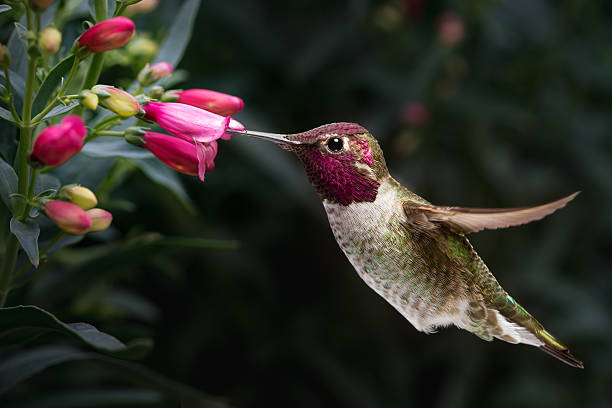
[[23, 172], [60, 93], [95, 69], [30, 194]]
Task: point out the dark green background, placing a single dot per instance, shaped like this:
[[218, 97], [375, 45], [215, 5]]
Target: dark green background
[[519, 114]]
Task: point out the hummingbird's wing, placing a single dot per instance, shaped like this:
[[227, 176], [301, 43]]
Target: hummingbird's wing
[[466, 220]]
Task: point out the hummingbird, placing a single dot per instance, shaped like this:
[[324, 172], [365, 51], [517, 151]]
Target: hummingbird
[[414, 254]]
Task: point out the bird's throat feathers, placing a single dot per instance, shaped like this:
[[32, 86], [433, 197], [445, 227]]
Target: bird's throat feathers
[[336, 178]]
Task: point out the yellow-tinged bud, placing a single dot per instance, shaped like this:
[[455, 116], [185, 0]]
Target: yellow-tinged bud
[[100, 219], [79, 195], [89, 99], [118, 101], [143, 46], [50, 40]]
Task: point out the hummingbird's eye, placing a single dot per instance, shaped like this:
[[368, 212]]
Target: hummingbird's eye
[[335, 144]]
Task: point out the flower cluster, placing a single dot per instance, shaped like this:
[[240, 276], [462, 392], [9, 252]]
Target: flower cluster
[[74, 212]]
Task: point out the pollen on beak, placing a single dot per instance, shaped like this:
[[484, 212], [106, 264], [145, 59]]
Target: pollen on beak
[[272, 137]]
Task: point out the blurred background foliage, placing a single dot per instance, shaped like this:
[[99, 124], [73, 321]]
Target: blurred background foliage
[[475, 103]]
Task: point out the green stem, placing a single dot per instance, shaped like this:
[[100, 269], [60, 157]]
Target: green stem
[[30, 193], [52, 104], [110, 133], [100, 125], [25, 140], [95, 69], [9, 90]]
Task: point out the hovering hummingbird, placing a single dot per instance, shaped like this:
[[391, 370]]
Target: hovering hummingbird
[[414, 254]]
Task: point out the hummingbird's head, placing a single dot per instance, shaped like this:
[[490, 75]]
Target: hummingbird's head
[[343, 160]]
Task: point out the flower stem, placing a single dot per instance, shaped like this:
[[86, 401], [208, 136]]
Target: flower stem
[[25, 139], [53, 103], [30, 193], [101, 124], [97, 61]]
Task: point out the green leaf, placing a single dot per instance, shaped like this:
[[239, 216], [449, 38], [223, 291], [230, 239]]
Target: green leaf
[[21, 366], [5, 7], [96, 397], [45, 182], [163, 175], [111, 146], [8, 183], [20, 323], [27, 233], [176, 41], [60, 110], [17, 84], [6, 114], [51, 82]]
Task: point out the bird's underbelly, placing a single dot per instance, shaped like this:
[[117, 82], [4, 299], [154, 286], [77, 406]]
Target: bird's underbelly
[[389, 263]]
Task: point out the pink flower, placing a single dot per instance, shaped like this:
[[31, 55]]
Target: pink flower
[[107, 35], [187, 122], [181, 155], [56, 144], [155, 72], [215, 102], [68, 217], [100, 219]]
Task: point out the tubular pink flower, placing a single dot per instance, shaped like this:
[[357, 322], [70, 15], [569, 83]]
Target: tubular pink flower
[[212, 101], [233, 125], [107, 35], [155, 72], [56, 144], [181, 155], [100, 219], [68, 217], [187, 122]]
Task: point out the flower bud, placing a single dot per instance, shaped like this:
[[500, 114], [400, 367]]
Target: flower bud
[[79, 195], [100, 219], [58, 143], [187, 122], [68, 217], [212, 101], [174, 152], [156, 92], [107, 35], [5, 57], [143, 47], [50, 40], [155, 72], [40, 5], [118, 101], [451, 29], [143, 6], [89, 99]]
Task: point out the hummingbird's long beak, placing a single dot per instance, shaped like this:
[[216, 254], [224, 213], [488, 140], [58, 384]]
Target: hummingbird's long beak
[[273, 137]]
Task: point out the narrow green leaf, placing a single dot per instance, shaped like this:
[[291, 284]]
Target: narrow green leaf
[[163, 175], [175, 43], [59, 71], [27, 233], [96, 397], [4, 7], [46, 182], [17, 84], [21, 366], [60, 110], [6, 114], [110, 146], [20, 323], [8, 183]]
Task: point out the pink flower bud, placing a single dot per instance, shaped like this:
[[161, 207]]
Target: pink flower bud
[[107, 35], [68, 217], [56, 144], [100, 219], [215, 102], [451, 29], [40, 5], [143, 6], [155, 72], [50, 40], [187, 122], [122, 103], [176, 153]]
